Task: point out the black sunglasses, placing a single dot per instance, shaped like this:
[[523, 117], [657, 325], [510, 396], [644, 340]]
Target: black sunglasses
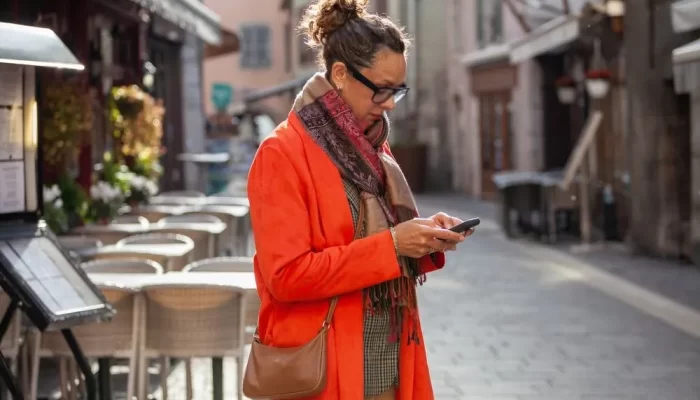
[[381, 93]]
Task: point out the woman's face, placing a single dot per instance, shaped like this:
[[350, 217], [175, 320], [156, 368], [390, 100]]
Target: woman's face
[[388, 71]]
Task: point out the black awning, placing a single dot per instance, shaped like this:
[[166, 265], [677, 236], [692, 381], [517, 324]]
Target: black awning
[[190, 15], [30, 45]]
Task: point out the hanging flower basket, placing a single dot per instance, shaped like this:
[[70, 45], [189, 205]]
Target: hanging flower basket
[[566, 89], [598, 83]]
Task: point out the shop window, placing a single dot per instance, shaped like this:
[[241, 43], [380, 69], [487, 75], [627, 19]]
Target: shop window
[[256, 46]]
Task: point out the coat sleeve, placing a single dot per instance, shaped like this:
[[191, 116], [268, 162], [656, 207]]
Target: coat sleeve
[[434, 261], [291, 269]]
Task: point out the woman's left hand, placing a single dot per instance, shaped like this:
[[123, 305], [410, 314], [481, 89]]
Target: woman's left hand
[[446, 222]]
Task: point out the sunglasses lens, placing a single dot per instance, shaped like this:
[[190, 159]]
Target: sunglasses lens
[[382, 95]]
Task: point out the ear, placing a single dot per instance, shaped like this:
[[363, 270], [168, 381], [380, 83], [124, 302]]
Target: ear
[[339, 74]]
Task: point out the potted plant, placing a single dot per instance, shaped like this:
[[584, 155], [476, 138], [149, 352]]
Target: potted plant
[[54, 214], [566, 89], [598, 83], [105, 202], [74, 200], [66, 120], [138, 131]]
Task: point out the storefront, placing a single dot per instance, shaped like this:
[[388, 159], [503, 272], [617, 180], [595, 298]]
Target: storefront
[[686, 81], [493, 80], [582, 130]]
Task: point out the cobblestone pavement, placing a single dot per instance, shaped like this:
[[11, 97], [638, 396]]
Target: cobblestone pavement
[[502, 323]]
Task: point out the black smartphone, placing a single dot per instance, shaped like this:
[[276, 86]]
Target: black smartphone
[[466, 225]]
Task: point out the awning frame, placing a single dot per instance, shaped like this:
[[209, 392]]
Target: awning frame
[[34, 46], [487, 55], [685, 15], [546, 38], [686, 67]]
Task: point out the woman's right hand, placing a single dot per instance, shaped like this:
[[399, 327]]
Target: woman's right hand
[[422, 236]]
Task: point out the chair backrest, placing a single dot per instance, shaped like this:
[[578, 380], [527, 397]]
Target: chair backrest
[[190, 218], [187, 320], [130, 220], [13, 337], [182, 193], [150, 215], [114, 338], [156, 238], [221, 264], [75, 242], [122, 266]]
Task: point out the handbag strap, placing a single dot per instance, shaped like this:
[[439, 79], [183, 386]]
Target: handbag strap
[[329, 315], [326, 321]]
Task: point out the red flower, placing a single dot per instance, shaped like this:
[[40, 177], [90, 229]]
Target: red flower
[[598, 74]]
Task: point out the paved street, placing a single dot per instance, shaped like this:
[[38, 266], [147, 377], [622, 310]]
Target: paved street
[[514, 321], [504, 323]]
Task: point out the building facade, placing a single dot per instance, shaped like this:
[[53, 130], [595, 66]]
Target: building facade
[[262, 62]]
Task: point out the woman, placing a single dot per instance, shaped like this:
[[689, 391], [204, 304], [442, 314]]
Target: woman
[[332, 215]]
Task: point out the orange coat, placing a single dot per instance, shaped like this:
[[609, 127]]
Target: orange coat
[[304, 232]]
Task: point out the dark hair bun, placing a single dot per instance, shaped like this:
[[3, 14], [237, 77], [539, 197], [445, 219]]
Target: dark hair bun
[[323, 17]]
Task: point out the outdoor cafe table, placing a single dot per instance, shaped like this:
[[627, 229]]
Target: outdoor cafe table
[[235, 216], [178, 254], [200, 201], [112, 233], [242, 280]]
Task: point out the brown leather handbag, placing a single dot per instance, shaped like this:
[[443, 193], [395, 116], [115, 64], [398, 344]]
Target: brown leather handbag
[[276, 373]]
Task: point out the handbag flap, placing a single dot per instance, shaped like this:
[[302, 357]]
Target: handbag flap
[[286, 373]]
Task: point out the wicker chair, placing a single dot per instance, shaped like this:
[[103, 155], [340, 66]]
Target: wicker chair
[[197, 218], [122, 266], [77, 243], [152, 216], [233, 264], [182, 193], [156, 238], [221, 264], [130, 220], [117, 338], [188, 321], [12, 341], [229, 242], [119, 256]]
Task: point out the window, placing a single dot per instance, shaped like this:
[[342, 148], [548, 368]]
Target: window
[[489, 22], [255, 46]]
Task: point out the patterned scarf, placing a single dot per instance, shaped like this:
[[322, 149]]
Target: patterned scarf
[[386, 196]]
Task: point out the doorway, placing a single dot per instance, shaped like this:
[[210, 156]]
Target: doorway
[[496, 132], [167, 87]]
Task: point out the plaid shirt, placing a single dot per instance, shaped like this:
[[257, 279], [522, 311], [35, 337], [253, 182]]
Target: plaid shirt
[[381, 357]]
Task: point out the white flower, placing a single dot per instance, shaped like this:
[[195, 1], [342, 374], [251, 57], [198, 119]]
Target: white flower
[[138, 182], [58, 203], [105, 192], [151, 188], [51, 193]]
